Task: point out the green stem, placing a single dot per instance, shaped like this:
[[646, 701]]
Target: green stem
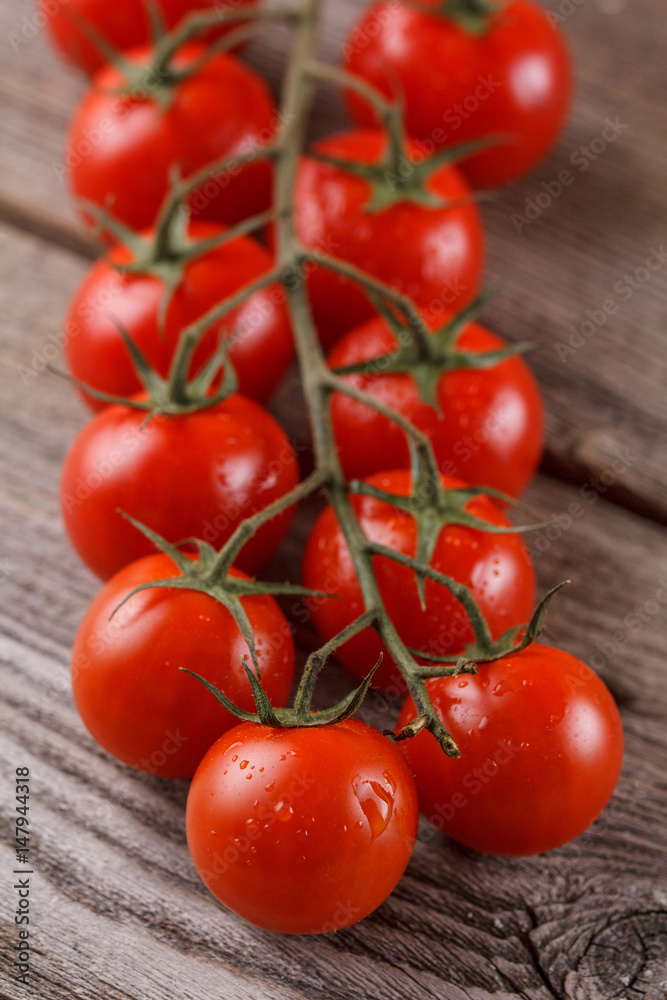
[[191, 335], [316, 377], [249, 525], [181, 191], [197, 24], [375, 287]]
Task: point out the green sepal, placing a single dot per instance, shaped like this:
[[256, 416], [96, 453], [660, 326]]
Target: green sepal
[[223, 699], [156, 22], [200, 575], [265, 711], [495, 649], [350, 704], [389, 185], [433, 507], [109, 53], [458, 590], [287, 718], [426, 361], [174, 396]]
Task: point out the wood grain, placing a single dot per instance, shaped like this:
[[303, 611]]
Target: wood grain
[[607, 394], [118, 909]]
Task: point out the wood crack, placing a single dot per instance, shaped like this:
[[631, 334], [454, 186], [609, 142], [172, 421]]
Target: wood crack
[[535, 954]]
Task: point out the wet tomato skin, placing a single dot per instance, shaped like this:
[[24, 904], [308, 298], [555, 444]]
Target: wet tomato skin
[[302, 831], [513, 80], [124, 26], [262, 345], [541, 744], [434, 255], [128, 686], [489, 429], [497, 569], [121, 152], [191, 476]]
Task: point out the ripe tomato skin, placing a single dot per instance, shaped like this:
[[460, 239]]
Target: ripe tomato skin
[[446, 245], [497, 568], [128, 686], [541, 746], [123, 25], [302, 831], [192, 476], [121, 150], [515, 80], [97, 354], [490, 429]]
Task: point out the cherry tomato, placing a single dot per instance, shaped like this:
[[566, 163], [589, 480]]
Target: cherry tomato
[[191, 476], [261, 347], [541, 747], [489, 429], [126, 677], [302, 831], [513, 79], [121, 150], [124, 26], [434, 255], [496, 568]]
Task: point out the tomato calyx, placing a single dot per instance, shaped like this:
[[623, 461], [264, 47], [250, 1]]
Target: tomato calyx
[[485, 649], [474, 16], [400, 175], [301, 714], [207, 570], [434, 506], [154, 77], [177, 394], [164, 258], [425, 356], [166, 251]]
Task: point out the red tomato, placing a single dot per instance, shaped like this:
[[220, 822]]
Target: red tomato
[[128, 687], [496, 568], [191, 476], [489, 430], [302, 831], [123, 25], [262, 347], [541, 747], [434, 255], [514, 79], [120, 150]]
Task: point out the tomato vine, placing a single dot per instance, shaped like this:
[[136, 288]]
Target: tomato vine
[[319, 383]]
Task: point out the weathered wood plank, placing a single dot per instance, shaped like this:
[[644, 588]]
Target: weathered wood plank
[[118, 909], [603, 377]]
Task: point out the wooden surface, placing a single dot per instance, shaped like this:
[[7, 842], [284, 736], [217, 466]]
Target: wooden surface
[[117, 908]]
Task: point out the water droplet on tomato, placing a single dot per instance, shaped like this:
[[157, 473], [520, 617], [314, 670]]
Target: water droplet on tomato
[[377, 804], [244, 764]]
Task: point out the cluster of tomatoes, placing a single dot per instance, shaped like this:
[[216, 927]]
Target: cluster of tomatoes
[[305, 829]]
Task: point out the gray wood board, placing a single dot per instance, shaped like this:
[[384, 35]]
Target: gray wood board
[[118, 910]]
